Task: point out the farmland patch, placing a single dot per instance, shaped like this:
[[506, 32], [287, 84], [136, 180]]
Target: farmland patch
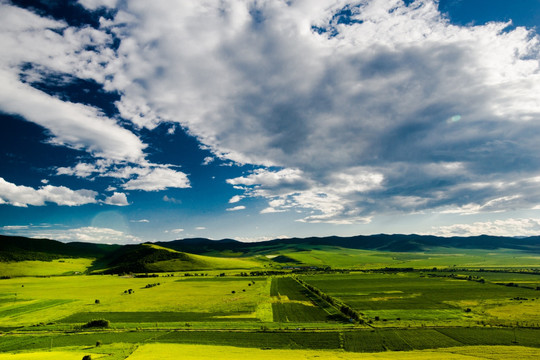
[[33, 306], [155, 316]]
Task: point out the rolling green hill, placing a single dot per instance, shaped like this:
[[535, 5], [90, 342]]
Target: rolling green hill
[[358, 252], [154, 258]]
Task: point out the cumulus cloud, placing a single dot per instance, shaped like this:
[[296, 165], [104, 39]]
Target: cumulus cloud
[[334, 199], [22, 196], [507, 227], [389, 108], [419, 104], [159, 178], [117, 199], [42, 50]]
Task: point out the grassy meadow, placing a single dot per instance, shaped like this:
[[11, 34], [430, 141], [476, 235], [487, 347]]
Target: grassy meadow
[[45, 268], [443, 304]]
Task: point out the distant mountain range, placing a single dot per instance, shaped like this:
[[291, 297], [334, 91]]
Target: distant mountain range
[[381, 242], [200, 253]]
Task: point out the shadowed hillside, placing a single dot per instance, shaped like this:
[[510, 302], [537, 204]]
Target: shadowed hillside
[[15, 248]]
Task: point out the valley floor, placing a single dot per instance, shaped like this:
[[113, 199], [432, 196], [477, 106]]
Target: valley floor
[[379, 314]]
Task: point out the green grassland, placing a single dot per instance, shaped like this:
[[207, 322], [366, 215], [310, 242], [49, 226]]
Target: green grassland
[[154, 258], [472, 306], [67, 266], [435, 257], [23, 299]]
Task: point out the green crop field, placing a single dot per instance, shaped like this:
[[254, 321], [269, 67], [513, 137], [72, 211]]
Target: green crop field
[[287, 311], [294, 303], [420, 299]]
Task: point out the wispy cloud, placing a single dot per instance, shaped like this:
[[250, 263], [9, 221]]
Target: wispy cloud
[[171, 199], [83, 234], [208, 160], [506, 227], [235, 199], [237, 208], [15, 227]]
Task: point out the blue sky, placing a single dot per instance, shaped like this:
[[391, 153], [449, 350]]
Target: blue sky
[[130, 121]]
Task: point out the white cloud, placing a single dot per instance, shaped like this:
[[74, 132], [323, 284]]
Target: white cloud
[[334, 199], [207, 160], [90, 234], [258, 84], [81, 170], [117, 199], [260, 238], [177, 231], [507, 227], [235, 199], [237, 208], [22, 196], [140, 221], [156, 179], [15, 227], [51, 47], [146, 177], [40, 48], [96, 4], [171, 199], [397, 110], [73, 125], [200, 228]]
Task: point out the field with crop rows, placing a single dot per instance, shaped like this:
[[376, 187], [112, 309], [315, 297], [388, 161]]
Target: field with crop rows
[[419, 299], [294, 303]]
